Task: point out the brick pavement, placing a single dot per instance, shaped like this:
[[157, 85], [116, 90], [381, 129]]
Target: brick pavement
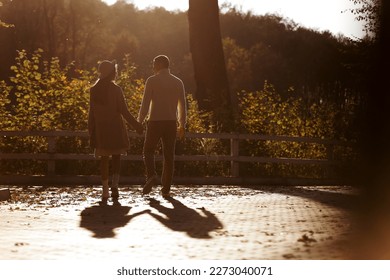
[[200, 222]]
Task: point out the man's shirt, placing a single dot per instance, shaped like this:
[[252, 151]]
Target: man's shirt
[[164, 99]]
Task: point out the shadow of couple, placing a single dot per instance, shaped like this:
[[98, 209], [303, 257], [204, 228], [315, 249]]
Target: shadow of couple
[[197, 224], [103, 221]]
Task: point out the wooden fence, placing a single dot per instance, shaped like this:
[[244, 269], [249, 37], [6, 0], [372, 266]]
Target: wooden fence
[[234, 159]]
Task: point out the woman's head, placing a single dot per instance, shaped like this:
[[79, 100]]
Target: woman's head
[[107, 70]]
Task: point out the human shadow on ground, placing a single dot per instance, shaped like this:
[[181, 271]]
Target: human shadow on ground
[[102, 221], [340, 200], [185, 219]]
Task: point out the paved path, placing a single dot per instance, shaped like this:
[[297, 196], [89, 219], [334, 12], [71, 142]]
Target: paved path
[[200, 222]]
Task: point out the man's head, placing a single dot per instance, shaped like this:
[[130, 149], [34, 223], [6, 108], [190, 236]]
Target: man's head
[[160, 62]]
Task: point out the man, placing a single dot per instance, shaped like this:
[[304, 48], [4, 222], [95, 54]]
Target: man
[[164, 106]]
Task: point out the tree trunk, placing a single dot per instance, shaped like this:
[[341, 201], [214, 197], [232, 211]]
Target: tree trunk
[[212, 87], [375, 201]]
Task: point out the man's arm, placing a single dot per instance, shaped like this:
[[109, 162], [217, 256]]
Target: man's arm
[[182, 107], [145, 104], [182, 111]]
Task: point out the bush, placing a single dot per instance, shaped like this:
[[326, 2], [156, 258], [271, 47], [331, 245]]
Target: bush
[[43, 95]]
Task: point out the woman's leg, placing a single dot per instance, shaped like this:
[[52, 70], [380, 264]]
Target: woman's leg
[[104, 165], [116, 166]]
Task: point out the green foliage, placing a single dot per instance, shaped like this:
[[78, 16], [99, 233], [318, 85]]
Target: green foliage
[[263, 112], [5, 25], [266, 112], [132, 87], [238, 65], [46, 99], [5, 116], [41, 95]]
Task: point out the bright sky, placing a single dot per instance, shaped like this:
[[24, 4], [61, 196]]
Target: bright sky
[[332, 15]]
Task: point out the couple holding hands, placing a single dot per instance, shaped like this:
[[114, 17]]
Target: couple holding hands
[[163, 108]]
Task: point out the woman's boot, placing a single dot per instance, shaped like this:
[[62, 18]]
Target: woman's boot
[[105, 194], [114, 189]]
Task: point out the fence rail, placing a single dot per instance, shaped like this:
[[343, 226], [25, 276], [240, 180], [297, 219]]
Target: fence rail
[[235, 159]]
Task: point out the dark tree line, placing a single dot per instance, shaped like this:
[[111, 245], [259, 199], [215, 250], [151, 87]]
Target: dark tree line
[[317, 66]]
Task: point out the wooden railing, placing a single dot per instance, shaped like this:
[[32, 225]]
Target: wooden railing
[[235, 159]]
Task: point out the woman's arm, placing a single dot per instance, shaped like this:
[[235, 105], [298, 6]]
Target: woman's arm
[[123, 109]]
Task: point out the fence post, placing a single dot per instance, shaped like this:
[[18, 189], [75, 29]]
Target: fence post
[[51, 148], [234, 153]]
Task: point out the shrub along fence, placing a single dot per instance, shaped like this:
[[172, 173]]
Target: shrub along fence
[[236, 166]]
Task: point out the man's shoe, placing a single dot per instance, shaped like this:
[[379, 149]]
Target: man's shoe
[[150, 183], [166, 195], [114, 193], [116, 202], [165, 192], [103, 202]]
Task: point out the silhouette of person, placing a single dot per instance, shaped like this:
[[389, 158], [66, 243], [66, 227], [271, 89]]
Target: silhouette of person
[[103, 220], [183, 218], [106, 127], [163, 105]]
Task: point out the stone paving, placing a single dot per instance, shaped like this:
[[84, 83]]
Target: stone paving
[[198, 223]]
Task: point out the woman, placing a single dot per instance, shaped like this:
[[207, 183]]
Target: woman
[[106, 127]]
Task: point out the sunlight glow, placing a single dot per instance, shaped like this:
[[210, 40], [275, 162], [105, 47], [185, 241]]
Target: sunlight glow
[[332, 15]]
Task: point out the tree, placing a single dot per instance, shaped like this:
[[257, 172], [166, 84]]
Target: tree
[[375, 149], [238, 65], [212, 87], [370, 12]]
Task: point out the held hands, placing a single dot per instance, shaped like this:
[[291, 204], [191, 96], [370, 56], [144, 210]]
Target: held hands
[[180, 132]]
